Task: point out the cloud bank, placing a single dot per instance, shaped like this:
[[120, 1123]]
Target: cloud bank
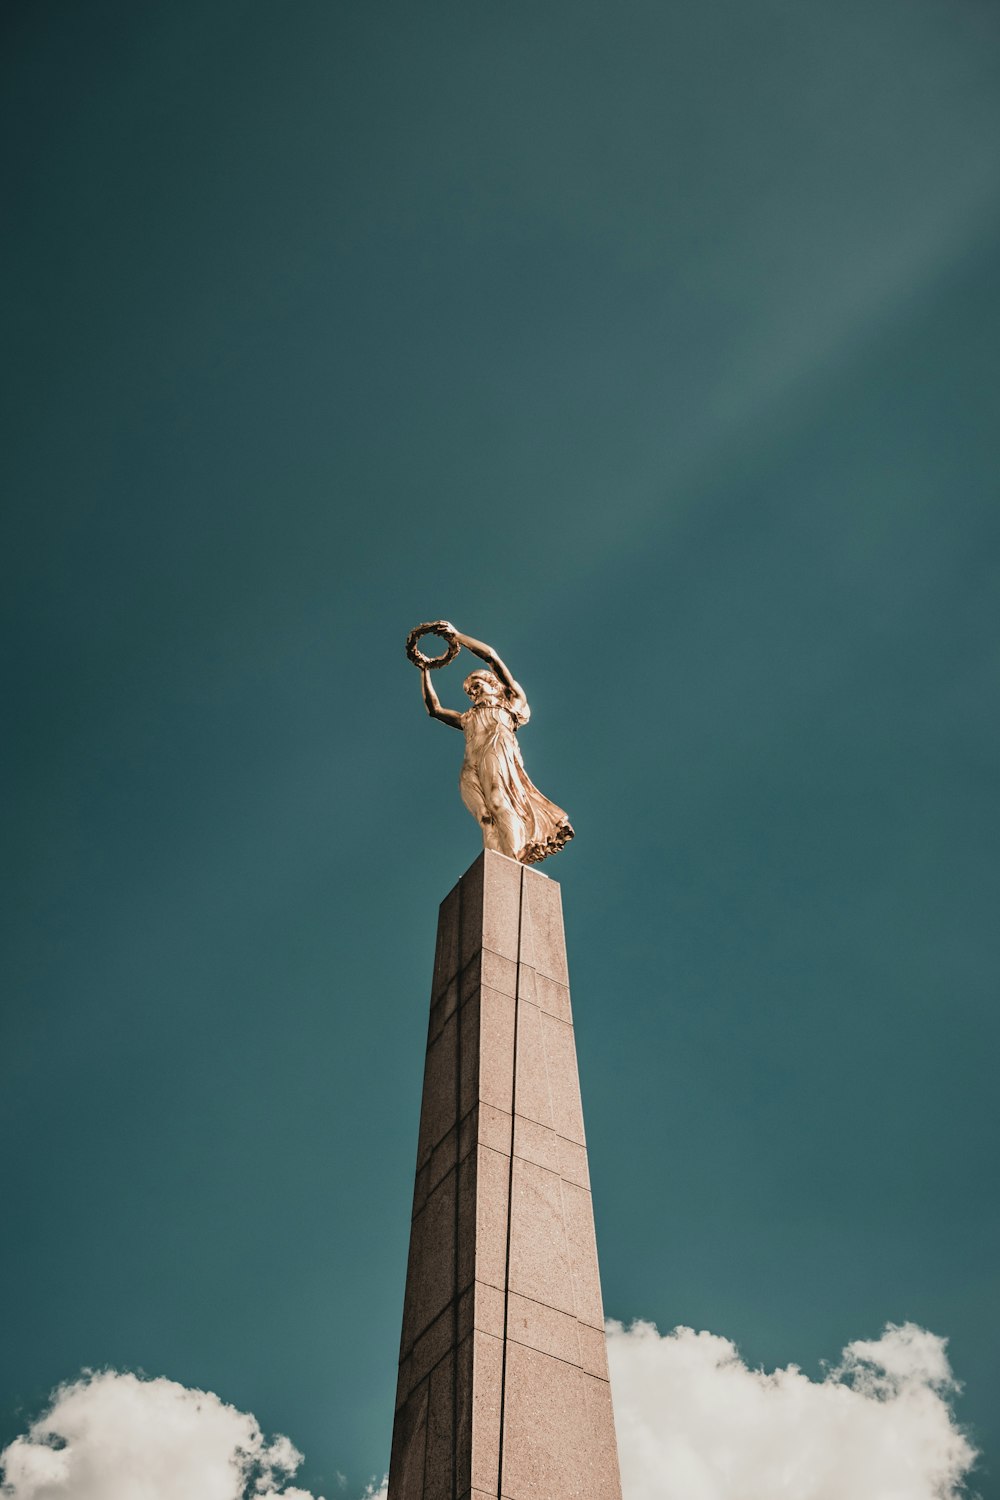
[[112, 1436], [694, 1423]]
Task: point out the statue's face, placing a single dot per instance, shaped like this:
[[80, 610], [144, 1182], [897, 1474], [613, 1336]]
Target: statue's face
[[481, 688]]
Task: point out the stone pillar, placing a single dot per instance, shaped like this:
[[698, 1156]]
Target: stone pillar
[[503, 1379]]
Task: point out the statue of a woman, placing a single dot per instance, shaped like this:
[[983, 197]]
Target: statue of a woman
[[516, 819]]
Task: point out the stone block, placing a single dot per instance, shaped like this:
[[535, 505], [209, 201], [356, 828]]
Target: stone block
[[404, 1381], [499, 973], [495, 1052], [471, 930], [603, 1469], [543, 1328], [430, 1273], [442, 1008], [441, 1454], [558, 1438], [526, 978], [494, 1128], [537, 1143], [593, 1350], [409, 1446], [579, 1220], [482, 1307], [470, 978], [490, 1309], [438, 1106], [544, 945], [551, 997], [564, 1079], [533, 1099], [544, 1147], [465, 1227], [432, 1345], [446, 952], [501, 915], [421, 1186], [546, 1438], [443, 1160], [490, 1223], [466, 1308], [573, 1166], [470, 1022], [547, 1082], [487, 1392], [539, 1265]]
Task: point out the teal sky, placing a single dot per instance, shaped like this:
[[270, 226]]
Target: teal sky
[[656, 345]]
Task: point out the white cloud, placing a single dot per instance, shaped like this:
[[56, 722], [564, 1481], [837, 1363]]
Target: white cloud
[[115, 1437], [694, 1423]]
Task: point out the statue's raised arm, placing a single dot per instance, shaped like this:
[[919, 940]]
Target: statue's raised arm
[[492, 660], [516, 819]]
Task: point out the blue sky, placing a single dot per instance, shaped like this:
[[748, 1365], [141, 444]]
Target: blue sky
[[655, 345]]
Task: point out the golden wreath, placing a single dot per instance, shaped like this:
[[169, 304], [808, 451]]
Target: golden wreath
[[433, 627]]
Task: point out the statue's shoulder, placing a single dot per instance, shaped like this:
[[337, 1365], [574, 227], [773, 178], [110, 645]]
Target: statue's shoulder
[[517, 706]]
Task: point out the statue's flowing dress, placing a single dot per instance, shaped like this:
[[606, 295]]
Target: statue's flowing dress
[[535, 827]]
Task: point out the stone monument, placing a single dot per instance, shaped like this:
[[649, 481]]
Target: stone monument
[[503, 1382]]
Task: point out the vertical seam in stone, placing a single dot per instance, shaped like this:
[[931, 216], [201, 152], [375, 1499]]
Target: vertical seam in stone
[[510, 1185], [458, 1187]]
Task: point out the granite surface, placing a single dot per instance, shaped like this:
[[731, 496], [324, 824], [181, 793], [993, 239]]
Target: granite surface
[[503, 1383]]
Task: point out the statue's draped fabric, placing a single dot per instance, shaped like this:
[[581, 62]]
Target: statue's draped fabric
[[493, 761]]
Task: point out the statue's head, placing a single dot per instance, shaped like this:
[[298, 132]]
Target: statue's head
[[483, 687]]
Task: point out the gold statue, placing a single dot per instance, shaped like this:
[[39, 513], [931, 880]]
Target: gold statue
[[516, 819]]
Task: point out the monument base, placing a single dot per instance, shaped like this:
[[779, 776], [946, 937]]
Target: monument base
[[503, 1382]]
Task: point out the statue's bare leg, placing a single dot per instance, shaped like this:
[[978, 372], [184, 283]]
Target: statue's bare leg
[[488, 804], [508, 826], [472, 796]]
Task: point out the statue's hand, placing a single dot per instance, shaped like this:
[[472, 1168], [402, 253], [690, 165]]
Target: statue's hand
[[445, 627]]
